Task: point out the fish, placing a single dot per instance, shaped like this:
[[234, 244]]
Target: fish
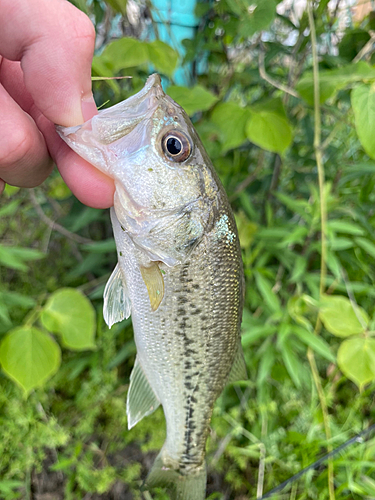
[[179, 273]]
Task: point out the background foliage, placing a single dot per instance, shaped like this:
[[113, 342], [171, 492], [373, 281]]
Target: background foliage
[[285, 106]]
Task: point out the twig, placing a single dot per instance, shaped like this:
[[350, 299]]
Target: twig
[[365, 48], [54, 225], [323, 259], [271, 81], [262, 459]]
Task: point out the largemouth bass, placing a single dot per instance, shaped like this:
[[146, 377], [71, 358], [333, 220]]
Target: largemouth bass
[[179, 273]]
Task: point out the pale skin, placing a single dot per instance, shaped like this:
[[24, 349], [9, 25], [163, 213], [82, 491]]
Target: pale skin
[[46, 50]]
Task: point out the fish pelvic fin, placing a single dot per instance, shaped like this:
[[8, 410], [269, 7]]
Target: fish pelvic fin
[[187, 486], [117, 305]]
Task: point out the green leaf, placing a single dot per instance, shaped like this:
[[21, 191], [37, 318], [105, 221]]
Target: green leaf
[[265, 289], [330, 81], [356, 359], [344, 226], [231, 120], [104, 246], [125, 53], [339, 318], [363, 103], [192, 100], [118, 5], [162, 56], [15, 257], [318, 344], [69, 313], [366, 245], [269, 130], [29, 356], [292, 363], [255, 15]]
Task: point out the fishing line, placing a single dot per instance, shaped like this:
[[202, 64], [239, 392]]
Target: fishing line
[[359, 438]]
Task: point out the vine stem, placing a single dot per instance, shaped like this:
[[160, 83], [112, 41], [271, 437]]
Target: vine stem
[[323, 256]]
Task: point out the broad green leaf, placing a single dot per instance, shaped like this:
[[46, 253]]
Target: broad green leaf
[[269, 130], [192, 100], [162, 57], [330, 81], [363, 103], [29, 356], [318, 344], [367, 245], [356, 359], [231, 119], [339, 318], [69, 313], [125, 53], [255, 15], [118, 5]]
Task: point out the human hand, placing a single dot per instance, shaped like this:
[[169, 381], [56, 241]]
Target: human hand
[[46, 49]]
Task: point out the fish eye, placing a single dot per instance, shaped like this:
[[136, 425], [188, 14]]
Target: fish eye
[[176, 146]]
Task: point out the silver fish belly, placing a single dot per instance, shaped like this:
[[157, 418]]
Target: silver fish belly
[[179, 273]]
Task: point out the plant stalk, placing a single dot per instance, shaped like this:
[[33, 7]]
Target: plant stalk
[[323, 257]]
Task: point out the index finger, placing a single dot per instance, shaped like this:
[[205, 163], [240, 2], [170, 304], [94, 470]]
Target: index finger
[[55, 43]]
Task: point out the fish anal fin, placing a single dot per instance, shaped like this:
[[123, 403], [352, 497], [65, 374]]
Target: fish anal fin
[[117, 305], [238, 370], [154, 282], [141, 400]]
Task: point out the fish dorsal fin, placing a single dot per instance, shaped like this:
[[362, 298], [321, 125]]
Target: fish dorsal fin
[[117, 305], [154, 282], [238, 371], [141, 400]]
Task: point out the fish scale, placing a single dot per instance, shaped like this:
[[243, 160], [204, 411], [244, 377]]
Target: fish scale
[[179, 273]]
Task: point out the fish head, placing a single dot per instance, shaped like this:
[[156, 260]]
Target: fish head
[[165, 183], [148, 145]]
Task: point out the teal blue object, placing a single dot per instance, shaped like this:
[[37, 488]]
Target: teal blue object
[[176, 21]]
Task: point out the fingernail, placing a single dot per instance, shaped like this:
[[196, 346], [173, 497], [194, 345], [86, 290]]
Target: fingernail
[[88, 107]]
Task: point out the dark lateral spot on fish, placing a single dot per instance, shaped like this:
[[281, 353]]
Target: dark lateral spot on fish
[[204, 317], [187, 365], [181, 299], [181, 311], [189, 352], [196, 286], [188, 386], [193, 399]]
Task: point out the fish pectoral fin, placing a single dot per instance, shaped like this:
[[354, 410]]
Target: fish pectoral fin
[[238, 371], [141, 400], [154, 282], [117, 305]]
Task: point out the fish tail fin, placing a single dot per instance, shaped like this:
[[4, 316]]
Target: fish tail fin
[[191, 486]]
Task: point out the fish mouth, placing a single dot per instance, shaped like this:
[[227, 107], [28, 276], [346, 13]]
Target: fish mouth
[[115, 122]]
